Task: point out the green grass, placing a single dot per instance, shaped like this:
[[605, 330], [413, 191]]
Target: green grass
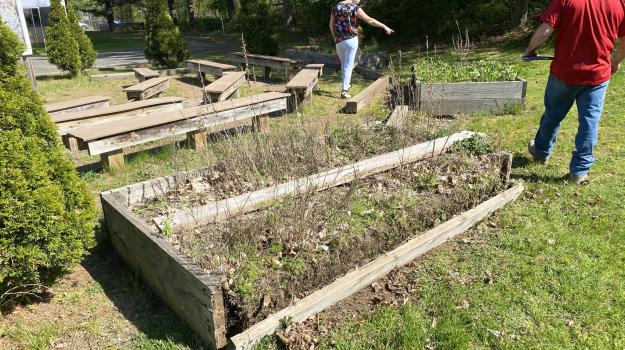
[[108, 42]]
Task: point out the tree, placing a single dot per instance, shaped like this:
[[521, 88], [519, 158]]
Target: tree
[[522, 10], [62, 48], [191, 11], [258, 25], [287, 14], [164, 44], [47, 215], [85, 46], [230, 8]]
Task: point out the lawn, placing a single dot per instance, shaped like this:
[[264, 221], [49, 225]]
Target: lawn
[[107, 42], [546, 272]]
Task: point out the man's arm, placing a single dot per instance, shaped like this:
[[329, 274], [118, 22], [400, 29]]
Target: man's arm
[[619, 57], [539, 39]]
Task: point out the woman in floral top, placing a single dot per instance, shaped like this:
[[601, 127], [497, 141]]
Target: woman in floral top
[[344, 28]]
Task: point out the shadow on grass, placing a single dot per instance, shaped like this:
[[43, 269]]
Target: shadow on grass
[[134, 300]]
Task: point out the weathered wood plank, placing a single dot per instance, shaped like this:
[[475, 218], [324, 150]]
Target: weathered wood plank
[[113, 160], [194, 295], [316, 66], [303, 85], [225, 86], [210, 121], [115, 109], [398, 117], [264, 60], [248, 202], [472, 91], [360, 101], [147, 89], [78, 104], [209, 67], [112, 76], [449, 107], [354, 281], [143, 74]]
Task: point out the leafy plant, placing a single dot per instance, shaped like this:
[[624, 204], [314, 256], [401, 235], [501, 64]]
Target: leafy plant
[[431, 70], [258, 27], [85, 46], [476, 145], [62, 48], [11, 49], [164, 44]]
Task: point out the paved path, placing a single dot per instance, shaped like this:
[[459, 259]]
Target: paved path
[[134, 57]]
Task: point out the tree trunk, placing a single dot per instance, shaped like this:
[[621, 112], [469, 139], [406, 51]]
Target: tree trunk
[[172, 11], [191, 10], [108, 11], [230, 8], [287, 14], [521, 13]]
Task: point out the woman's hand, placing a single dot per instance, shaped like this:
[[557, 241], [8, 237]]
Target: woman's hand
[[388, 30]]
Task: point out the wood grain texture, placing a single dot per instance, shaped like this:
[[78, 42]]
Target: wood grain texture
[[252, 201], [397, 119], [362, 277], [115, 109], [449, 107], [113, 160], [360, 101], [194, 295], [472, 91], [209, 121], [78, 104], [143, 74], [316, 66], [145, 85], [227, 81], [209, 67]]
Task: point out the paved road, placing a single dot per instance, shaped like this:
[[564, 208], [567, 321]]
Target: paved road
[[134, 57]]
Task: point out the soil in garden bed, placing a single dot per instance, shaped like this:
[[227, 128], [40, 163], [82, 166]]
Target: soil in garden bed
[[245, 164], [272, 257]]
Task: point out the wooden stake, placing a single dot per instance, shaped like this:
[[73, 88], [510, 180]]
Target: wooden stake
[[113, 160], [260, 123], [351, 283], [197, 139]]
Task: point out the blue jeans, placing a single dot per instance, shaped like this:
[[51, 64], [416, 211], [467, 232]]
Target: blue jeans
[[347, 50], [559, 98]]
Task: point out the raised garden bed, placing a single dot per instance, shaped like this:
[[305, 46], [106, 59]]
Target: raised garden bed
[[238, 267]]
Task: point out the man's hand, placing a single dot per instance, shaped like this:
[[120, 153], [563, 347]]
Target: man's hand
[[615, 67], [529, 54]]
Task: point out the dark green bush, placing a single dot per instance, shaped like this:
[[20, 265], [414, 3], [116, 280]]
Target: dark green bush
[[11, 49], [85, 46], [164, 44], [258, 26], [47, 214], [62, 48]]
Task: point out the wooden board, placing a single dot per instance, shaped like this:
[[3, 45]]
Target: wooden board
[[264, 61], [78, 104], [225, 86], [112, 76], [252, 201], [472, 91], [68, 127], [210, 122], [143, 74], [213, 68], [89, 134], [194, 295], [360, 101], [466, 106], [115, 109], [143, 86], [149, 92], [316, 66], [304, 79], [398, 117], [362, 277]]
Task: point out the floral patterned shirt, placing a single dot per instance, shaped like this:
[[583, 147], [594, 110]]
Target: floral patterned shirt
[[345, 21]]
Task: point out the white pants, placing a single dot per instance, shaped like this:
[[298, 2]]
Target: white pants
[[347, 50]]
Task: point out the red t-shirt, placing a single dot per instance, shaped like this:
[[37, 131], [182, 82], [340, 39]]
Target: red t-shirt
[[586, 35]]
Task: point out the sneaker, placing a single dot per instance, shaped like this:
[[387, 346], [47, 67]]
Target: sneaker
[[531, 148], [345, 95], [578, 180]]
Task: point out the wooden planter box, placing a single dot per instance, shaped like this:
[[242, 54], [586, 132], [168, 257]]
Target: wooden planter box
[[196, 296], [446, 99]]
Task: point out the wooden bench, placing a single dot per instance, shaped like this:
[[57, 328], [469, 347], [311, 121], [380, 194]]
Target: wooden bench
[[224, 87], [203, 67], [147, 89], [316, 66], [302, 85], [358, 102], [143, 74], [78, 105], [109, 140], [287, 65], [68, 122]]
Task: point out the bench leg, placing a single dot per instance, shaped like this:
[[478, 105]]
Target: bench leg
[[268, 72], [71, 143], [113, 160], [198, 139], [260, 123]]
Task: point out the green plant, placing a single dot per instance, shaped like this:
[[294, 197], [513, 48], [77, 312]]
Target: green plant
[[258, 27], [11, 49], [62, 48], [47, 215], [476, 145], [85, 47], [432, 70], [164, 44]]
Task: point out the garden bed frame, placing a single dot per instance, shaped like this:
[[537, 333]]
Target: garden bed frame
[[196, 296]]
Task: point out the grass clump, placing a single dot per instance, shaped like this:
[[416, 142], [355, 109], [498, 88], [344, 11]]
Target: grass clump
[[432, 70]]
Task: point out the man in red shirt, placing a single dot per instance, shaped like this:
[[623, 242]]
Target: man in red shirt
[[580, 73]]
